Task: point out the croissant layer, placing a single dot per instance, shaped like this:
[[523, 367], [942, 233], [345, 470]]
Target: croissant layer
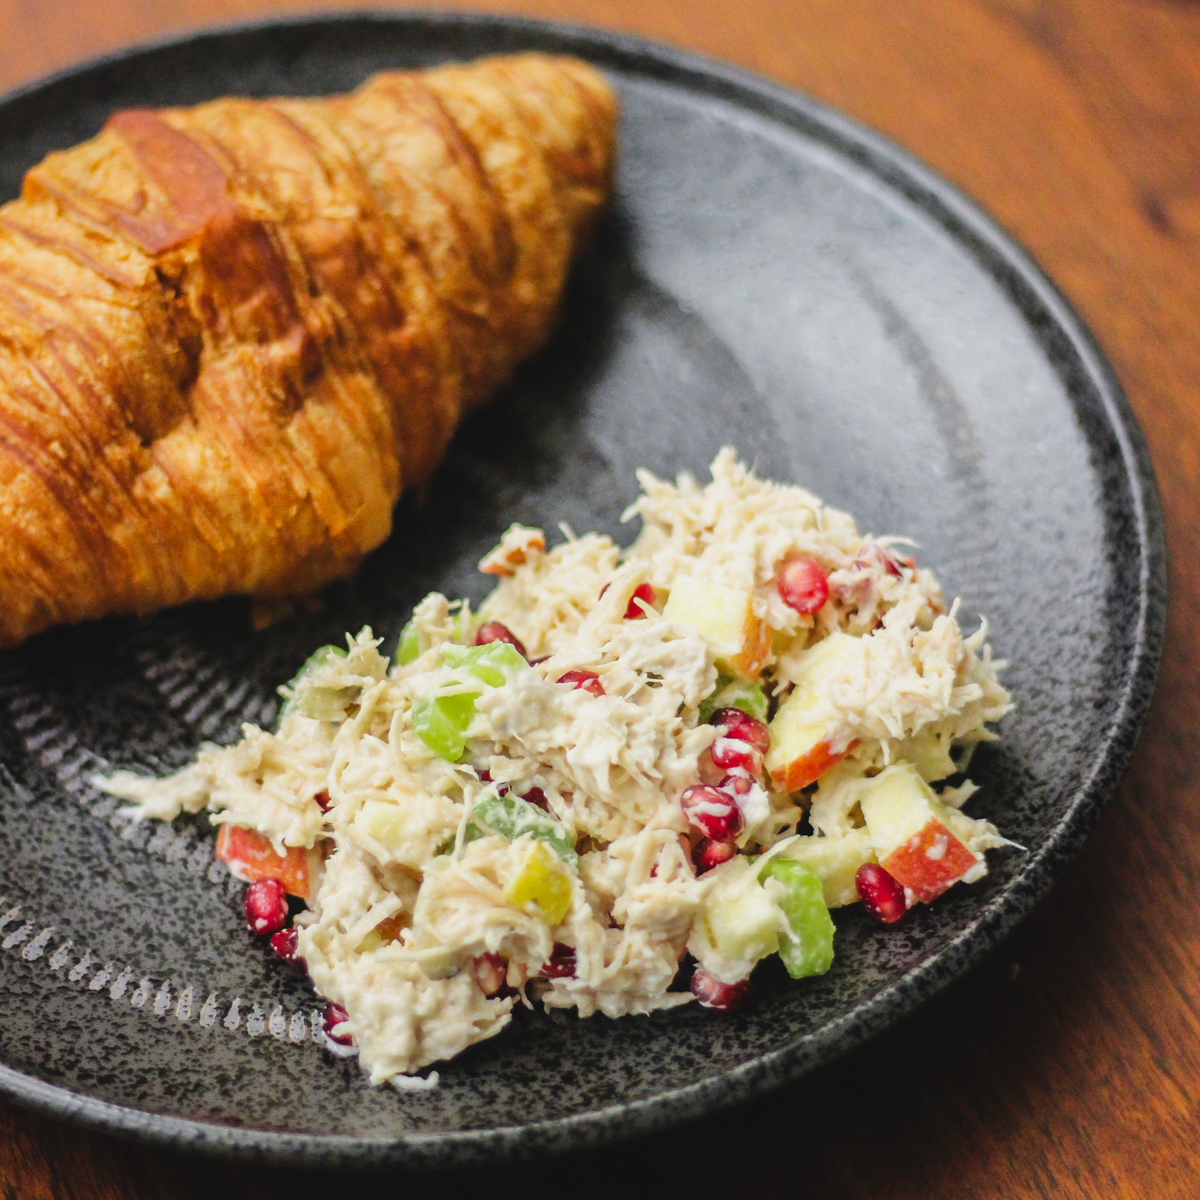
[[230, 335]]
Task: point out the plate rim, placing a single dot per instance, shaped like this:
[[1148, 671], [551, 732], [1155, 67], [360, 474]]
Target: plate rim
[[1006, 260]]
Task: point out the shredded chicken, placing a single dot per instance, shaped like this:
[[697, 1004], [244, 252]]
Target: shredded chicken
[[475, 811]]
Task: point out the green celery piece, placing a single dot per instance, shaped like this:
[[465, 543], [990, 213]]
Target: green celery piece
[[409, 646], [441, 723], [493, 663], [510, 817], [321, 701], [408, 649], [732, 693], [809, 951]]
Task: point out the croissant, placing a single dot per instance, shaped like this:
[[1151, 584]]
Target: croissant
[[230, 335]]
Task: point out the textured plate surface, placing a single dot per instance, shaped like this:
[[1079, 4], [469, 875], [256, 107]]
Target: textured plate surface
[[771, 276]]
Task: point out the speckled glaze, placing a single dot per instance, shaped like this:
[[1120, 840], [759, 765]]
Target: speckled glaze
[[771, 275]]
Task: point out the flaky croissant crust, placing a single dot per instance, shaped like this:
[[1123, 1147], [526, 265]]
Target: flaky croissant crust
[[231, 334]]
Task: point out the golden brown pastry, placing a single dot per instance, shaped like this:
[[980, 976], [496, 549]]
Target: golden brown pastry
[[230, 335]]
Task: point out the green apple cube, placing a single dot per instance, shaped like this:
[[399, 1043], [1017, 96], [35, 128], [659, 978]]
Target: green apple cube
[[835, 860], [510, 817], [809, 948], [409, 648], [742, 919], [733, 693], [494, 663], [441, 723]]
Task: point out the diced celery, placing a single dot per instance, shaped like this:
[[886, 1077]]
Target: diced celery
[[733, 693], [809, 950], [441, 723], [493, 663], [409, 647], [320, 703], [510, 817]]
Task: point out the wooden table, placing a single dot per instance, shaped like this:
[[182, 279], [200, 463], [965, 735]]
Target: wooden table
[[1068, 1064]]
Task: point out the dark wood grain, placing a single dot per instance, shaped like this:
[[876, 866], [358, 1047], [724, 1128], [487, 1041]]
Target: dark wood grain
[[1068, 1065]]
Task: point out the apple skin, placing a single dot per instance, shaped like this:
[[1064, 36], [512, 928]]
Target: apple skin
[[911, 829], [724, 618], [801, 750], [929, 862], [251, 856]]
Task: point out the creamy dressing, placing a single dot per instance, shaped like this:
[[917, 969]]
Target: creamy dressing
[[414, 893]]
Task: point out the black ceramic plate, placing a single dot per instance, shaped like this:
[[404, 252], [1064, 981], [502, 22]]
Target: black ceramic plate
[[770, 276]]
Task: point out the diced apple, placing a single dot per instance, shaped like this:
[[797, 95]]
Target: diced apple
[[542, 886], [929, 754], [834, 860], [251, 856], [518, 544], [910, 828], [388, 930], [801, 750], [738, 923], [724, 618], [382, 821]]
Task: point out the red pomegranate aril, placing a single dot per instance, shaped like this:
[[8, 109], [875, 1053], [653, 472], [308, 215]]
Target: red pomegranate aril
[[743, 727], [709, 854], [561, 963], [643, 591], [491, 973], [537, 798], [725, 997], [881, 893], [284, 943], [494, 631], [589, 681], [731, 755], [875, 555], [713, 812], [736, 785], [802, 583], [324, 803], [332, 1017], [266, 906]]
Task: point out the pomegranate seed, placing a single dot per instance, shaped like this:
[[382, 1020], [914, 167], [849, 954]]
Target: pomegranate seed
[[561, 963], [324, 803], [266, 906], [284, 944], [485, 776], [881, 893], [643, 591], [537, 798], [725, 997], [588, 680], [709, 854], [737, 785], [802, 583], [743, 727], [876, 556], [731, 755], [491, 973], [494, 631], [332, 1017], [713, 812]]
